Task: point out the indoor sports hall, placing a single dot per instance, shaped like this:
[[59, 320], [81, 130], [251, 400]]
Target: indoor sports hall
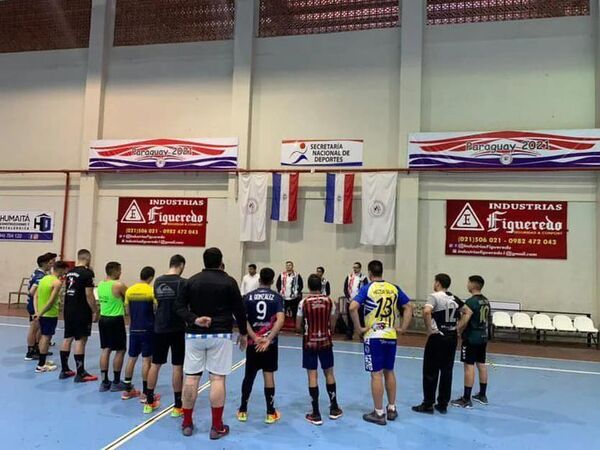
[[370, 187]]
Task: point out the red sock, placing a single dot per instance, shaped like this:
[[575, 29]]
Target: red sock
[[217, 418], [187, 417]]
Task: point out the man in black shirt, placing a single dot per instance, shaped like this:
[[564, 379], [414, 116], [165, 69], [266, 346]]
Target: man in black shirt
[[80, 311], [209, 302], [169, 333], [440, 315]]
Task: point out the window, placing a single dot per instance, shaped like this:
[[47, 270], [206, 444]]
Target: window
[[33, 25], [440, 12], [143, 22], [292, 17]]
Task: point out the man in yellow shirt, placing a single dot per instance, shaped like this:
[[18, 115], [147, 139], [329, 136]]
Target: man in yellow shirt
[[140, 302], [46, 312]]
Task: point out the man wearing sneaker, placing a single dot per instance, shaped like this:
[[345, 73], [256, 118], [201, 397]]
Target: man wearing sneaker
[[264, 308], [113, 336], [80, 311], [383, 303], [208, 304], [169, 333], [316, 320], [440, 315], [45, 262], [473, 326], [46, 306], [140, 302]]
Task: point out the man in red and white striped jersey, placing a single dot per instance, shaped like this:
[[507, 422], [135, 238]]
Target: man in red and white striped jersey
[[316, 319]]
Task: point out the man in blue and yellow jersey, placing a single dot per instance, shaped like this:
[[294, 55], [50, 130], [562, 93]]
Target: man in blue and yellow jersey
[[140, 301], [383, 303]]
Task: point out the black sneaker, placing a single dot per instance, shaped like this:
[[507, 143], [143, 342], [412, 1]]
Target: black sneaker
[[64, 374], [118, 387], [218, 434], [335, 413], [29, 356], [423, 408], [105, 386], [315, 419], [481, 399], [84, 378], [462, 403], [392, 414], [187, 430], [375, 418], [441, 409]]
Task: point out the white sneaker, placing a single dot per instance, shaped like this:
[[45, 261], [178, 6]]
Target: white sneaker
[[45, 368]]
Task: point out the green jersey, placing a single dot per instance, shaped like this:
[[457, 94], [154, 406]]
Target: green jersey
[[110, 306], [477, 328], [44, 292]]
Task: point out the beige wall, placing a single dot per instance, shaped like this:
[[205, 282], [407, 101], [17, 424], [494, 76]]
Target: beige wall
[[527, 74]]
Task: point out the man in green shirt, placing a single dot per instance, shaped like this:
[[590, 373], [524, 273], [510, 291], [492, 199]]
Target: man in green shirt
[[113, 337], [46, 312], [474, 328]]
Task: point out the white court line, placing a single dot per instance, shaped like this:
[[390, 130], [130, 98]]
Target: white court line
[[152, 420], [360, 343], [27, 326], [509, 366], [420, 358]]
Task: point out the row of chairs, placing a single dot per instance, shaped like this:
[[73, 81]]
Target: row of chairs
[[540, 322]]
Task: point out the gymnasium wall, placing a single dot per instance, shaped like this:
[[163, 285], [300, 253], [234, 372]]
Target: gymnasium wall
[[521, 74]]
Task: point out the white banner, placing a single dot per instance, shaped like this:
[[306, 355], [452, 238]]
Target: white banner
[[26, 225], [164, 153], [311, 152], [378, 208], [505, 149], [252, 200]]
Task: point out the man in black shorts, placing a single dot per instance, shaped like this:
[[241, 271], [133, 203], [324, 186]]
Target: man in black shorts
[[264, 310], [474, 328], [169, 333], [80, 311]]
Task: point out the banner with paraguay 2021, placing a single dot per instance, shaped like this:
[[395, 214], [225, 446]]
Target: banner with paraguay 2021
[[174, 221], [322, 152], [513, 229], [505, 149], [164, 153]]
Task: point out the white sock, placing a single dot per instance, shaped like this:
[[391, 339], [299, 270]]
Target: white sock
[[379, 412], [391, 407]]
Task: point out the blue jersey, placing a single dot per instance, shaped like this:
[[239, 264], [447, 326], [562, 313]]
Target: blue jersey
[[383, 302], [34, 280], [262, 306]]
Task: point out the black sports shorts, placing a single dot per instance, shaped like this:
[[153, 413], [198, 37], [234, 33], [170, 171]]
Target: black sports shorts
[[165, 341], [112, 333]]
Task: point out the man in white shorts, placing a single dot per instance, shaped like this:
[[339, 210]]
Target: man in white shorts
[[209, 302]]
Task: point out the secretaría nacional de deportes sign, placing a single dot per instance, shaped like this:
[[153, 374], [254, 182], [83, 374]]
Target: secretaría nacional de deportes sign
[[514, 229], [188, 154], [26, 225], [505, 149], [162, 221], [311, 152]]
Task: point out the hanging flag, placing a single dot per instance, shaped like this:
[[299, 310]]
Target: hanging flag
[[285, 197], [378, 208], [252, 200], [338, 198]]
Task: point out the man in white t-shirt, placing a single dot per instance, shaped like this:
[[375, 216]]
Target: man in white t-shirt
[[250, 281], [352, 285]]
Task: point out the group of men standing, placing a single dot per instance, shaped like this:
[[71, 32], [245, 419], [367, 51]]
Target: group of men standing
[[194, 318]]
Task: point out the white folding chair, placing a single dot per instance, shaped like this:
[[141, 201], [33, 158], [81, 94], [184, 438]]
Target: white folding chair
[[584, 324], [542, 322], [563, 323], [501, 319], [522, 321]]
